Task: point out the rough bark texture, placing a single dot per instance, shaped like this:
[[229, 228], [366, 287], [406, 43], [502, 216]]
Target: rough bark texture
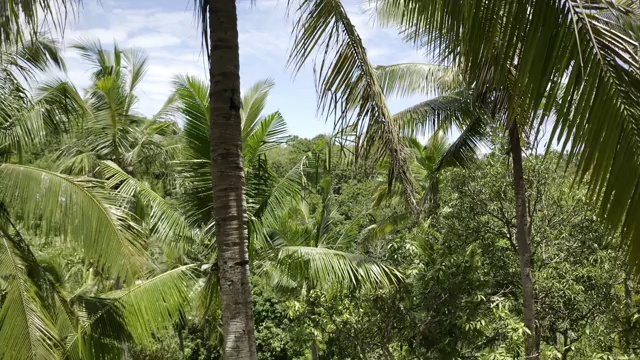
[[228, 181], [523, 239]]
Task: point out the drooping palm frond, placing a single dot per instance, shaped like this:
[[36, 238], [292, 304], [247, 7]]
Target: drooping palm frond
[[348, 87], [570, 62], [79, 210], [28, 59], [27, 327], [110, 321], [440, 113], [206, 300], [166, 220], [23, 118], [334, 270], [466, 146], [62, 100], [154, 304], [22, 124], [408, 79], [21, 20]]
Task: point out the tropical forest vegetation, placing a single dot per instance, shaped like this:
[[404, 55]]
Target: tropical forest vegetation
[[495, 219]]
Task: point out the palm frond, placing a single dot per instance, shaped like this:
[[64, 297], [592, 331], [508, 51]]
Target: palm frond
[[154, 304], [23, 19], [265, 134], [27, 327], [465, 147], [440, 113], [334, 270], [193, 106], [408, 79], [572, 63], [110, 321], [77, 209], [253, 103], [167, 222], [77, 164], [268, 204], [32, 57], [136, 62], [348, 87]]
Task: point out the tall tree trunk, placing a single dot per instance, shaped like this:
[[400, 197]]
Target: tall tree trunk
[[523, 239], [228, 182]]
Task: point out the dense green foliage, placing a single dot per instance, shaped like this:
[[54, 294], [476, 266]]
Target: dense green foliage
[[107, 248], [341, 270]]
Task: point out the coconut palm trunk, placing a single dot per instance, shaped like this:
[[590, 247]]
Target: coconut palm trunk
[[228, 182], [523, 239]]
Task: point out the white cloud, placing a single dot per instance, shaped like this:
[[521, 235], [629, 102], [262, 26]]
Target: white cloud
[[153, 40], [105, 35]]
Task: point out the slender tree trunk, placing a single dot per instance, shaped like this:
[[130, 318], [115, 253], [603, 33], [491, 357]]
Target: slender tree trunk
[[314, 350], [566, 349], [228, 182], [523, 239]]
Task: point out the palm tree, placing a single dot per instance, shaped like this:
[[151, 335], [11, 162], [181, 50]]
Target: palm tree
[[578, 67], [427, 162], [280, 250], [24, 119], [109, 127], [308, 252], [40, 317], [219, 22]]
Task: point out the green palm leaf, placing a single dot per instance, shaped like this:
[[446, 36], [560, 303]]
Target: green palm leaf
[[78, 209], [136, 314], [440, 113], [408, 79], [23, 19], [265, 134], [167, 222], [192, 104], [27, 328], [348, 85], [570, 62], [253, 102], [334, 270]]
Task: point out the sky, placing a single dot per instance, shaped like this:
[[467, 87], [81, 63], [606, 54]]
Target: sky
[[167, 31]]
